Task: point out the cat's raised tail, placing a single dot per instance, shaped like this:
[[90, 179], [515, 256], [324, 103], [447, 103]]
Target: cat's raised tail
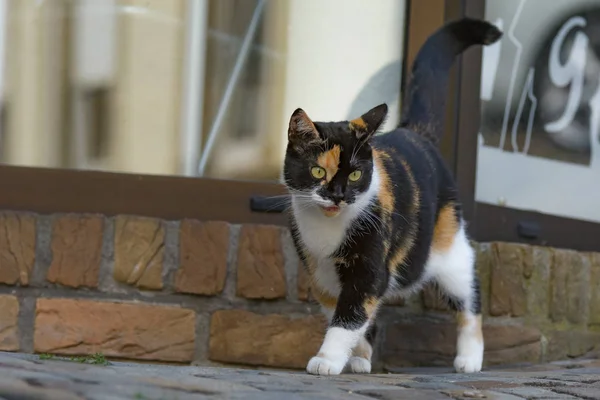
[[423, 109]]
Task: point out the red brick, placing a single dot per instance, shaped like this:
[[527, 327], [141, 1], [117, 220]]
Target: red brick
[[9, 331], [139, 252], [510, 264], [594, 288], [260, 263], [76, 250], [203, 250], [242, 337], [570, 286], [17, 248], [127, 330]]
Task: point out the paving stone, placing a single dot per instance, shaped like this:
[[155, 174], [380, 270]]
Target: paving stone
[[534, 393], [475, 394], [260, 263], [17, 247], [203, 257], [9, 331], [139, 246], [587, 393], [11, 388], [32, 378], [394, 393], [76, 250], [136, 331]]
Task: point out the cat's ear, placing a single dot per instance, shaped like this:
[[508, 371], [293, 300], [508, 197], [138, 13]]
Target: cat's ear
[[367, 124], [301, 128]]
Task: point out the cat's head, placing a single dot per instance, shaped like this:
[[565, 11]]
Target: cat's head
[[329, 165]]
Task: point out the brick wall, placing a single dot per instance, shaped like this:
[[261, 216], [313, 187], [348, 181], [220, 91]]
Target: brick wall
[[210, 292]]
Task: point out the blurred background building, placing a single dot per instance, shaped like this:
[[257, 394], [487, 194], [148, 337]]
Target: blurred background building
[[136, 85]]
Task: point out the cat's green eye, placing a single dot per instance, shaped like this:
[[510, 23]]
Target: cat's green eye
[[355, 175], [318, 172]]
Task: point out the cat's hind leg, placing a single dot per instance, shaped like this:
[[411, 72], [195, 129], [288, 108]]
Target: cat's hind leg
[[453, 269]]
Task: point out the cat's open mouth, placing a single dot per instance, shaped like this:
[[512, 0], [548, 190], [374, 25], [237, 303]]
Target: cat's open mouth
[[330, 211]]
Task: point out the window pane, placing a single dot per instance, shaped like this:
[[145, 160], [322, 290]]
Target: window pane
[[113, 84], [539, 144]]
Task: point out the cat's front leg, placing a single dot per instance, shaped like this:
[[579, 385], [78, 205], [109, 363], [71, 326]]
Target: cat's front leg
[[354, 313]]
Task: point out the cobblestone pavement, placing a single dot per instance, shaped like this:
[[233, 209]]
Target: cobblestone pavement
[[27, 377]]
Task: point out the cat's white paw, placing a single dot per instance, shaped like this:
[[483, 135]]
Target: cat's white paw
[[468, 364], [324, 366], [359, 365]]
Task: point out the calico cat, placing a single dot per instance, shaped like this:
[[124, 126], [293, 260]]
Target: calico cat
[[376, 216]]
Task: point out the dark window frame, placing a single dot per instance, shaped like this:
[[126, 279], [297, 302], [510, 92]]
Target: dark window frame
[[50, 190]]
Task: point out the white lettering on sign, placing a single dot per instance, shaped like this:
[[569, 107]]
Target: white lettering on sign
[[527, 93], [515, 69], [570, 73]]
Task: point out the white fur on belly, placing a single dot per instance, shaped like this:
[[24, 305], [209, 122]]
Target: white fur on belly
[[326, 277]]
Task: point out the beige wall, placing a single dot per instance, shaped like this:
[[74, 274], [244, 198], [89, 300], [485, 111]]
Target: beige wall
[[146, 96], [34, 83]]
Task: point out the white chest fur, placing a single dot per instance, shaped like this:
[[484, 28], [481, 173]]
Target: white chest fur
[[321, 235]]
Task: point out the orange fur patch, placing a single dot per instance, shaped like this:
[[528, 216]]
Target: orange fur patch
[[359, 124], [370, 305], [401, 253], [385, 195], [409, 240], [363, 349], [446, 228], [324, 299], [330, 161], [416, 200], [462, 322]]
